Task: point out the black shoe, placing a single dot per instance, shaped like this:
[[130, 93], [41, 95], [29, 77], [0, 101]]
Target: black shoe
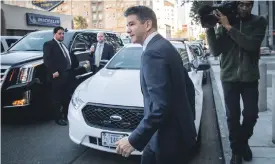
[[61, 122], [236, 159], [247, 153]]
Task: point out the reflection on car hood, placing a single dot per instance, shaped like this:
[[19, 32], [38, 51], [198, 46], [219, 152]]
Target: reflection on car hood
[[115, 87], [14, 57]]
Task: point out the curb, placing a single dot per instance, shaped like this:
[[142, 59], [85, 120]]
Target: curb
[[221, 117]]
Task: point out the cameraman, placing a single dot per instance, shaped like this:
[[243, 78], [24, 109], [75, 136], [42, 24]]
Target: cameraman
[[239, 46]]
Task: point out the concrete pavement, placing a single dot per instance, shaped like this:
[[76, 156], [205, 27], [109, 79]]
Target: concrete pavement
[[261, 142]]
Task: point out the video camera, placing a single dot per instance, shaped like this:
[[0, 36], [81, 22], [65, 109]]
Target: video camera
[[227, 8]]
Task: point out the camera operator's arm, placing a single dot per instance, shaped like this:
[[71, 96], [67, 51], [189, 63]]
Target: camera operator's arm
[[215, 40], [249, 42]]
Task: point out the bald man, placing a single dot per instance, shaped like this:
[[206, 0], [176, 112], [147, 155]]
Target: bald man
[[100, 51]]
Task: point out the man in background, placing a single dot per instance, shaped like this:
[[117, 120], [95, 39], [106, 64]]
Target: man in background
[[60, 65], [100, 51], [239, 46]]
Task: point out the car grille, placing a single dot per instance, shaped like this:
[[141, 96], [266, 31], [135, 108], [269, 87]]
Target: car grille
[[123, 118], [4, 71]]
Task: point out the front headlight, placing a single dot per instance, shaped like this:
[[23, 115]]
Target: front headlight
[[76, 101], [26, 72]]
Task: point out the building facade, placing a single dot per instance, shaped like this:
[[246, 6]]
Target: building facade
[[18, 21]]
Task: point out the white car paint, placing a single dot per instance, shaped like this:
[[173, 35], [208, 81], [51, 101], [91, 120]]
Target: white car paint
[[117, 88]]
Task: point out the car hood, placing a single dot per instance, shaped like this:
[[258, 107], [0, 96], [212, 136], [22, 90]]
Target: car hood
[[15, 57], [113, 87]]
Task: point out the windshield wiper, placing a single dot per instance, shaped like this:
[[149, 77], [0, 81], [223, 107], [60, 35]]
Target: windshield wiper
[[31, 50], [116, 68]]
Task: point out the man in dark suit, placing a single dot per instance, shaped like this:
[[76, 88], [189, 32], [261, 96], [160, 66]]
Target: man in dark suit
[[100, 51], [60, 65], [167, 132]]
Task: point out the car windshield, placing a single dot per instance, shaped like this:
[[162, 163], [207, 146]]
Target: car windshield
[[126, 58], [35, 41]]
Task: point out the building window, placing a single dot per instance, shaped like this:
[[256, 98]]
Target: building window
[[94, 17], [94, 25], [100, 25], [100, 16]]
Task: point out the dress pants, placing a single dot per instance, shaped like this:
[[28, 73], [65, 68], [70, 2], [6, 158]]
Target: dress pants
[[62, 89]]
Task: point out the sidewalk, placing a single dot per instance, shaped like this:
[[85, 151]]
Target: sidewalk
[[262, 147]]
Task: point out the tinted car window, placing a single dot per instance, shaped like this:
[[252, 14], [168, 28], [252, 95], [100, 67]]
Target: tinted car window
[[126, 58], [2, 47], [113, 40], [35, 41], [10, 41], [85, 38]]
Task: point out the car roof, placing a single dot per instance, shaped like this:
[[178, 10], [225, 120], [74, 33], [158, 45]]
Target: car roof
[[78, 30], [10, 37]]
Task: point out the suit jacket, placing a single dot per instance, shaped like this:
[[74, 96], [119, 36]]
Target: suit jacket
[[107, 53], [168, 124], [55, 60]]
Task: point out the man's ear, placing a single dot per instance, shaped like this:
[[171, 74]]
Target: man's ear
[[148, 24]]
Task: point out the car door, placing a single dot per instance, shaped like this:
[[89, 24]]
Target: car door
[[114, 40], [83, 41]]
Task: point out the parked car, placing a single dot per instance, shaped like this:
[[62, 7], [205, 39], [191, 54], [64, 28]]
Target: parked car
[[24, 84], [200, 57], [109, 105], [265, 51], [8, 41]]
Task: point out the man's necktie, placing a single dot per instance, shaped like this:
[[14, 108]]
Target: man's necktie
[[66, 56]]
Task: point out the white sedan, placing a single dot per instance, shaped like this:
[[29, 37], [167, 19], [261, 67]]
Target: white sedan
[[109, 105]]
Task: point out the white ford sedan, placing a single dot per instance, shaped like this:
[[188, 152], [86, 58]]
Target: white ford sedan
[[109, 105]]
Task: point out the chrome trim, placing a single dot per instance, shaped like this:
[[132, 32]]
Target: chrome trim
[[83, 75], [16, 106], [6, 68]]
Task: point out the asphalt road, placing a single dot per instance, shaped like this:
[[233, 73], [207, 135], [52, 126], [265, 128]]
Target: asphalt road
[[44, 142]]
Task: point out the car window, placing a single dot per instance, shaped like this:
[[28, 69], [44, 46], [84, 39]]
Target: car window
[[184, 56], [84, 38], [114, 40], [126, 58], [2, 47], [35, 41], [10, 41]]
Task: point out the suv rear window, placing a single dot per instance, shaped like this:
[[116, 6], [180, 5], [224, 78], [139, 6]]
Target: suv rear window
[[114, 40], [2, 47], [10, 41]]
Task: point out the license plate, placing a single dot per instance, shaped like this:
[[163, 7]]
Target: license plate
[[109, 139]]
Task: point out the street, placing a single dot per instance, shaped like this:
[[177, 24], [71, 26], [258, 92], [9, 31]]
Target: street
[[44, 142]]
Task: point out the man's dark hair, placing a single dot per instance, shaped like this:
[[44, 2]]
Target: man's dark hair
[[57, 28], [143, 14], [252, 2]]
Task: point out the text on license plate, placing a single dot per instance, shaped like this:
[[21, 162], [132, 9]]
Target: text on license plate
[[109, 139]]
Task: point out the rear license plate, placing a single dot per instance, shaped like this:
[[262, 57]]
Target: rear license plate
[[109, 139]]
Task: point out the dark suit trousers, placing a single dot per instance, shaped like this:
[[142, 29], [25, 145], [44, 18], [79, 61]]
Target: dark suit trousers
[[240, 133], [151, 157], [62, 89]]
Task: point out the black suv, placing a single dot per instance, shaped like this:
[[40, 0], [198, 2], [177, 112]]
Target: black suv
[[23, 75]]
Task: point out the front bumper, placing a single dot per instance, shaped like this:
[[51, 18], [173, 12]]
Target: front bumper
[[83, 134]]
